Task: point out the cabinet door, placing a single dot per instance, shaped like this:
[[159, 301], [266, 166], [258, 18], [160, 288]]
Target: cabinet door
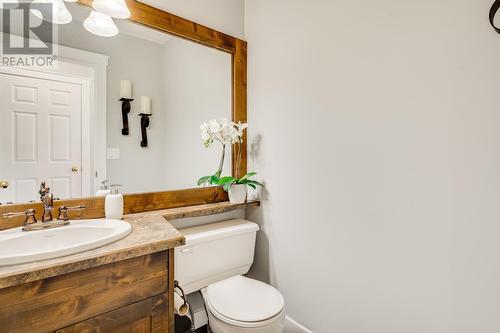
[[148, 316], [48, 305]]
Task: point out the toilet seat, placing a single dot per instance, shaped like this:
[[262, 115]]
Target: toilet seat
[[243, 324], [244, 302]]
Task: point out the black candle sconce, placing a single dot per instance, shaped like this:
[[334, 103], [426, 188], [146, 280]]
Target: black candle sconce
[[144, 126], [493, 11], [125, 111]]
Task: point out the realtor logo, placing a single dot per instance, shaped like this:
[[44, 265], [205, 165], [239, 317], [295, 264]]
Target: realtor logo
[[27, 39]]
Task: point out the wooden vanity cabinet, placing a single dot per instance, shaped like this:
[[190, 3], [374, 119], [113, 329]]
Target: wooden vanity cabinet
[[130, 296]]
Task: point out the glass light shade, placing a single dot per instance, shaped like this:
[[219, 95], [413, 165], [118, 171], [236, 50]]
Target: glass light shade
[[100, 24], [60, 14], [113, 8]]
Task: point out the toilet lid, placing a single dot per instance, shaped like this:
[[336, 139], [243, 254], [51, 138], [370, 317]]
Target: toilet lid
[[242, 299]]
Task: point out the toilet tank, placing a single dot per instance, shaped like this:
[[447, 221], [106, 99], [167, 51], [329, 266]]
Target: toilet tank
[[214, 252]]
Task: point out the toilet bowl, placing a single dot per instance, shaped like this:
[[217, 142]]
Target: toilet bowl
[[213, 260], [243, 305]]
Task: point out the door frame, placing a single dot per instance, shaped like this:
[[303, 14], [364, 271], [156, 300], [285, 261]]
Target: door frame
[[85, 85], [96, 124]]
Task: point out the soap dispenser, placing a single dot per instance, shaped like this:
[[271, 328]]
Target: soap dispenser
[[103, 191], [113, 205]]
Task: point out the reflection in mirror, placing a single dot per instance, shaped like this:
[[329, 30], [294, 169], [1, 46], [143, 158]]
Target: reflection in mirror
[[63, 125]]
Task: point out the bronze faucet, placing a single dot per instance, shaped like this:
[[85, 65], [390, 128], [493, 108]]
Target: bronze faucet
[[48, 202], [47, 198]]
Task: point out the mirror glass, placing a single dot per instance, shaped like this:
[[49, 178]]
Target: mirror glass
[[64, 125]]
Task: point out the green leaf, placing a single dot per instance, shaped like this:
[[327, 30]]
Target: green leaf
[[203, 180], [255, 183], [214, 180], [248, 175], [251, 185], [227, 186], [225, 180]]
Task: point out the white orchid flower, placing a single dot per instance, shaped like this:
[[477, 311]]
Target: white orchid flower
[[241, 126], [224, 131], [214, 126]]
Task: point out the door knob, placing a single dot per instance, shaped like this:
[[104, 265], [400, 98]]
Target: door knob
[[74, 169], [4, 184]]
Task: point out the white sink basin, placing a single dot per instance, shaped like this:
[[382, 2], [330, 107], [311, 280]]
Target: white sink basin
[[18, 247]]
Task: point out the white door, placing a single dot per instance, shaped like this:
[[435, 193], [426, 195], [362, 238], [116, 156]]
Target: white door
[[40, 135]]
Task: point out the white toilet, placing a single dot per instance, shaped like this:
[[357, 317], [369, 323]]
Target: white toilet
[[214, 260]]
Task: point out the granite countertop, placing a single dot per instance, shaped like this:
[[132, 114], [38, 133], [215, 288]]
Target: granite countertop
[[150, 233]]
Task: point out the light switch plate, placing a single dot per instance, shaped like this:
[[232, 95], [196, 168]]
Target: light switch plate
[[113, 154]]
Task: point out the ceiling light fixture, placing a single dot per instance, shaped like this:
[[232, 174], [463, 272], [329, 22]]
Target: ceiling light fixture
[[60, 14], [113, 8], [100, 24]]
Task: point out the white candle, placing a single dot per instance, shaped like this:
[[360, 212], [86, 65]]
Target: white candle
[[145, 104], [126, 89]]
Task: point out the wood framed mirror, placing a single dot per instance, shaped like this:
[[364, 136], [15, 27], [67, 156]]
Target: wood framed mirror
[[158, 19], [165, 22]]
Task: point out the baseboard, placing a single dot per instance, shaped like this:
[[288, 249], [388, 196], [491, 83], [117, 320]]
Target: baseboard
[[291, 326]]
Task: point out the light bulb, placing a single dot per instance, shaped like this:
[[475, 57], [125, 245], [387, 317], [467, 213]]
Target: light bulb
[[113, 8], [100, 24], [60, 14]]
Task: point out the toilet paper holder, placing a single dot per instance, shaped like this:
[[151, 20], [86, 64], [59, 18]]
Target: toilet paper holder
[[177, 286], [183, 309]]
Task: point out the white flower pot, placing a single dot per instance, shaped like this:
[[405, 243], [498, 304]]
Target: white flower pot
[[238, 194]]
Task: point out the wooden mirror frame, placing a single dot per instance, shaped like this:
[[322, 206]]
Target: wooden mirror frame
[[134, 203]]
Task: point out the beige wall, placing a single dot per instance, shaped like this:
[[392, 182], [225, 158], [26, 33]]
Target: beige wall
[[376, 127]]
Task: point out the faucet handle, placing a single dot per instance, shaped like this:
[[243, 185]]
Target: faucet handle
[[29, 214], [63, 212]]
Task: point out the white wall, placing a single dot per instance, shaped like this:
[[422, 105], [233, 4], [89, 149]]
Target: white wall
[[196, 88], [223, 15], [376, 126]]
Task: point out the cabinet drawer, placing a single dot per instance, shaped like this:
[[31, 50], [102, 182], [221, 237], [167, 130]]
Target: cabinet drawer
[[54, 303], [148, 316]]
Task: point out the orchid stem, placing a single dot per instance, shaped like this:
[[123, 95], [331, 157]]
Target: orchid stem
[[221, 163], [238, 160]]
